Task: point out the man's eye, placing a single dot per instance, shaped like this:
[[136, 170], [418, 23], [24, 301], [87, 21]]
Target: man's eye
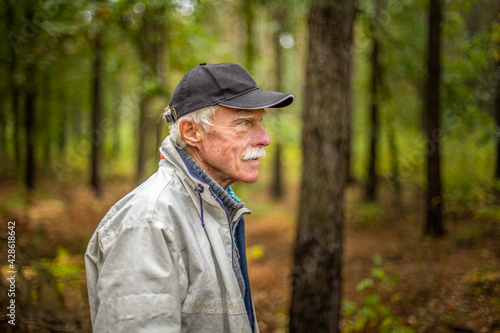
[[245, 122]]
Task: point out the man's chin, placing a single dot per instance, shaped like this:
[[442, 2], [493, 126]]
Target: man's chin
[[250, 178]]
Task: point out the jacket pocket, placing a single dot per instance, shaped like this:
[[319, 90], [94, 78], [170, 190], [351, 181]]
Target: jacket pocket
[[138, 307], [213, 306]]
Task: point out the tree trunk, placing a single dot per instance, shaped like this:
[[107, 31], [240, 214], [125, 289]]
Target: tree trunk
[[116, 118], [497, 117], [45, 138], [394, 180], [96, 116], [277, 178], [143, 130], [3, 141], [62, 122], [374, 132], [497, 102], [161, 72], [316, 280], [18, 124], [249, 45], [149, 42], [350, 179], [434, 217], [30, 127], [17, 112]]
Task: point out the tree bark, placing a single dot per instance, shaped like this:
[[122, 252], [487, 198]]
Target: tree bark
[[116, 117], [17, 112], [144, 129], [497, 101], [434, 216], [96, 115], [161, 72], [45, 139], [374, 132], [149, 42], [3, 141], [30, 127], [277, 179], [249, 45], [316, 280], [62, 99], [277, 183], [393, 151]]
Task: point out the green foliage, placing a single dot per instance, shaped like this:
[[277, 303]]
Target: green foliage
[[467, 132], [482, 281], [49, 291], [68, 271], [57, 38], [365, 214], [372, 314], [490, 212]]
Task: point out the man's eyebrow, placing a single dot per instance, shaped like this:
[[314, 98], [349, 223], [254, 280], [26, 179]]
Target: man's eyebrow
[[246, 115]]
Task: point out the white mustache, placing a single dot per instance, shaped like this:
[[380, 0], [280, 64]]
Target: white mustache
[[253, 153]]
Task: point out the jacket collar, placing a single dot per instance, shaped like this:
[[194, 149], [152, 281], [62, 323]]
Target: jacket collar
[[231, 203]]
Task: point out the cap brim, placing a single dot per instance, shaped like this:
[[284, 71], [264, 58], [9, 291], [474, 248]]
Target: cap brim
[[259, 99]]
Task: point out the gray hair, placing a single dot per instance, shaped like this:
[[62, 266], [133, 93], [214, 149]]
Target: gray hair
[[201, 117]]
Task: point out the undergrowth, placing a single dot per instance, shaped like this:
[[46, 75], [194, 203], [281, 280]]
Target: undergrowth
[[373, 315]]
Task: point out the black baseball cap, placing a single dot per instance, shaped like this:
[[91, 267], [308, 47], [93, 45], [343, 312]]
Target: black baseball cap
[[225, 84]]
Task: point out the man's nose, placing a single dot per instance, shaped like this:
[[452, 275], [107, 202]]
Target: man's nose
[[262, 139]]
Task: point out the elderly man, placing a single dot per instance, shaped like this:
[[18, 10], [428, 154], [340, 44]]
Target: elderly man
[[170, 256]]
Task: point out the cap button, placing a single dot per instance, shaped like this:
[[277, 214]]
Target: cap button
[[203, 64]]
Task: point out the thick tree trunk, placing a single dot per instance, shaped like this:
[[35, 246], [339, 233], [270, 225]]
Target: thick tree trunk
[[434, 216], [316, 280], [96, 116]]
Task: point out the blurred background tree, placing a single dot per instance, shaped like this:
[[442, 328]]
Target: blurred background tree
[[316, 279]]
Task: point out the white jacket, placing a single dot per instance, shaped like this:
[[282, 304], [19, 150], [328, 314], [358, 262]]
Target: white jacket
[[152, 266]]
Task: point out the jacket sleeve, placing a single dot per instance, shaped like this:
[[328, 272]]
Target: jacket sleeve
[[136, 279]]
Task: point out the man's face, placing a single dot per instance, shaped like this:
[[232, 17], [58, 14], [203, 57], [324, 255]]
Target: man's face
[[225, 151]]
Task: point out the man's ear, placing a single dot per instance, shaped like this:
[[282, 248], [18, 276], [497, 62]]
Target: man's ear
[[190, 132]]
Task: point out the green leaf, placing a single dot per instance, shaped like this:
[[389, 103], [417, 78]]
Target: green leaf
[[393, 280], [378, 273], [367, 312], [349, 308], [365, 284], [372, 300], [384, 311]]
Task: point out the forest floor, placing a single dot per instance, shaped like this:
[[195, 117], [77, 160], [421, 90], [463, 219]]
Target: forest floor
[[391, 274]]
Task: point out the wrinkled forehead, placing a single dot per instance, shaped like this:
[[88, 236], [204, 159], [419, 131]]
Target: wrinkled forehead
[[249, 114], [224, 113]]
